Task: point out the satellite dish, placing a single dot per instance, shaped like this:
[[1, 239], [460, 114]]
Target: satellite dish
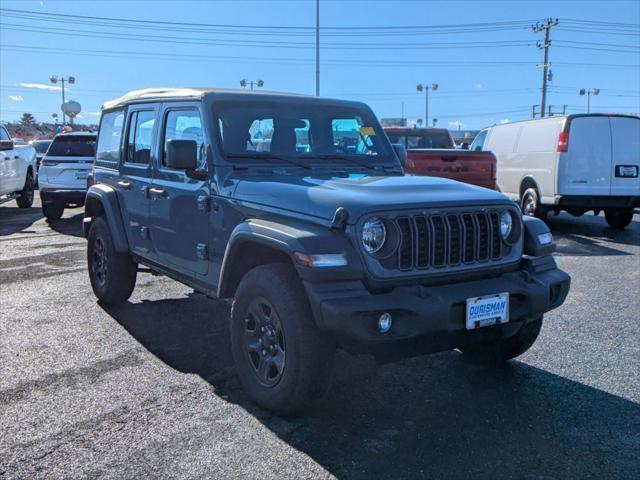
[[71, 108]]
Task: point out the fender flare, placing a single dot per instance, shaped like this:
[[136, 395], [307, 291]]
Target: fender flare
[[528, 178], [102, 200], [287, 239]]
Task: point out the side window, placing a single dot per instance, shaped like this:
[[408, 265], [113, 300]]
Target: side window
[[139, 136], [478, 142], [184, 125], [108, 148], [4, 135]]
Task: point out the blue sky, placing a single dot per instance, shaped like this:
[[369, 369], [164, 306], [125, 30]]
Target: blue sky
[[490, 76]]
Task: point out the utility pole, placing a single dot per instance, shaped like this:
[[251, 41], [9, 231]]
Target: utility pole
[[317, 48], [533, 110], [546, 27]]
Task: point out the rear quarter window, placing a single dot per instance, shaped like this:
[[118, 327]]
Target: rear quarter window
[[110, 138]]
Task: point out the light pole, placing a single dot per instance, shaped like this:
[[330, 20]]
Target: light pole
[[588, 93], [251, 83], [420, 87], [71, 80], [317, 48]]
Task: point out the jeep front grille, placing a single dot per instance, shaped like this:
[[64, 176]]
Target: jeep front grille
[[448, 239]]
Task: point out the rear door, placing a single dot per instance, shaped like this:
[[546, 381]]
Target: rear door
[[135, 176], [625, 155], [585, 168], [179, 204]]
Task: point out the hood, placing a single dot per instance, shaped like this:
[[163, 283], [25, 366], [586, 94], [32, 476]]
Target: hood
[[360, 193]]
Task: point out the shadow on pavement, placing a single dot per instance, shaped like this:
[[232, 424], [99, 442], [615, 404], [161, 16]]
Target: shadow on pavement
[[14, 219], [69, 225], [591, 236], [427, 417]]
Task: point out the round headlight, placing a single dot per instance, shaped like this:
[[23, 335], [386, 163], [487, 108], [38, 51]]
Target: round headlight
[[506, 224], [374, 235]]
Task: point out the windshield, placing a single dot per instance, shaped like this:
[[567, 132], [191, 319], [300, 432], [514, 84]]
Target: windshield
[[41, 146], [426, 140], [80, 146], [254, 129]]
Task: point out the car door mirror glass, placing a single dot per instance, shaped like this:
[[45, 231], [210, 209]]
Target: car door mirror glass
[[182, 154], [6, 144]]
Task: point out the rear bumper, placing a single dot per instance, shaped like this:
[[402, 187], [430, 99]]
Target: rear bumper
[[67, 197], [428, 319], [624, 201]]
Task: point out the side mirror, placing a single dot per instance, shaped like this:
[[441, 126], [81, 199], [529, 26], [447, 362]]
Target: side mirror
[[464, 146], [6, 145], [182, 154], [401, 153]]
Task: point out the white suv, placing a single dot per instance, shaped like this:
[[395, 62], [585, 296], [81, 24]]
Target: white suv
[[63, 172]]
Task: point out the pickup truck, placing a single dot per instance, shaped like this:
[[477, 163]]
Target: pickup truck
[[432, 152], [17, 171]]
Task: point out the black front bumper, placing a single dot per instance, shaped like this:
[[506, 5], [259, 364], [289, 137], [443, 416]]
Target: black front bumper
[[428, 319], [65, 197]]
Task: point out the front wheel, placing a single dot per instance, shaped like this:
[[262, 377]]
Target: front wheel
[[499, 351], [530, 204], [282, 359], [112, 274], [25, 200], [618, 217]]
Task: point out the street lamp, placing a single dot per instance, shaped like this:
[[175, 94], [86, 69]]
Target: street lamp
[[71, 80], [588, 93], [420, 87], [257, 83]]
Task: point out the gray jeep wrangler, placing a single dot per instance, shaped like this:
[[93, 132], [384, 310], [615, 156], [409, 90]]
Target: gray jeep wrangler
[[298, 208]]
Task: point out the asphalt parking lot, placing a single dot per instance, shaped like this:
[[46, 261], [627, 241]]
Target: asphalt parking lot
[[148, 389]]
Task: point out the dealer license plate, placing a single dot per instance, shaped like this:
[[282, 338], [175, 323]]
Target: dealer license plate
[[627, 171], [487, 310]]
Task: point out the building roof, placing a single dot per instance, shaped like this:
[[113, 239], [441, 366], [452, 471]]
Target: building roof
[[161, 94]]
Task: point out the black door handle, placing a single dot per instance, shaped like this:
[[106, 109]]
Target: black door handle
[[449, 159]]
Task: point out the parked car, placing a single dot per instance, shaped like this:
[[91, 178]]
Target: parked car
[[41, 147], [320, 241], [17, 171], [63, 172], [574, 163], [432, 152]]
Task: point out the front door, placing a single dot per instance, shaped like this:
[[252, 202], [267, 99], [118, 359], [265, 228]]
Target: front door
[[179, 204], [136, 170]]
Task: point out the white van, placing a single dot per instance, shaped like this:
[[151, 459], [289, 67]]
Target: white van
[[574, 163], [62, 178]]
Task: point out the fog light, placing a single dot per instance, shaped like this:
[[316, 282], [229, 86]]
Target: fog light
[[384, 322]]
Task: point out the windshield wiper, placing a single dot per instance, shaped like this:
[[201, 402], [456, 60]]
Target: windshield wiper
[[268, 156]]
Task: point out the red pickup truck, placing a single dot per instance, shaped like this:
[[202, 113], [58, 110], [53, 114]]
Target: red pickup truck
[[432, 152]]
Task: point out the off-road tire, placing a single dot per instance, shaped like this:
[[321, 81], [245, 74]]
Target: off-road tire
[[530, 204], [618, 217], [112, 274], [499, 351], [52, 211], [309, 352], [25, 200]]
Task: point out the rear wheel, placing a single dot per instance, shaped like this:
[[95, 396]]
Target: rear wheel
[[25, 200], [282, 359], [530, 204], [500, 351], [52, 210], [112, 274], [619, 217]]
